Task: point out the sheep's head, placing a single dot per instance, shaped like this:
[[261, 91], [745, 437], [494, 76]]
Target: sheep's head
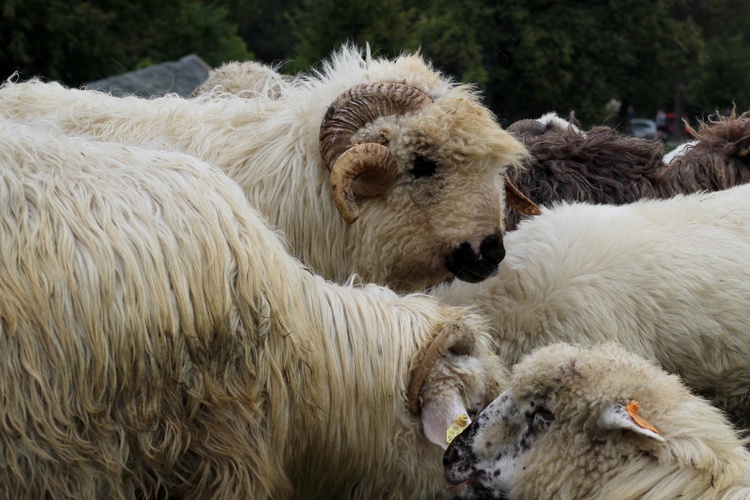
[[718, 158], [455, 378], [573, 419], [422, 176]]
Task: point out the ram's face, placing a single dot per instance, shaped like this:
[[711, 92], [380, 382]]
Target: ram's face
[[436, 212], [483, 461]]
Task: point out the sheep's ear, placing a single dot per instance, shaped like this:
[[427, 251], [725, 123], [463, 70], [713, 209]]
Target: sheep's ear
[[518, 200], [439, 414], [619, 417]]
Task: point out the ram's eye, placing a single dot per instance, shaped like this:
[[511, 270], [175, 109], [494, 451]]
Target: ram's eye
[[544, 415], [423, 167], [473, 411]]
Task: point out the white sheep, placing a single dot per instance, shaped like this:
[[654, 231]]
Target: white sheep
[[411, 156], [244, 78], [158, 341], [598, 423], [667, 279]]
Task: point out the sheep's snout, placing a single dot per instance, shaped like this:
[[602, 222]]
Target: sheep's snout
[[469, 265]]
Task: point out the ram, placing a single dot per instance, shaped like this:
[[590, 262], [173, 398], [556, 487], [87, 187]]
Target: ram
[[667, 279], [375, 167], [158, 341], [597, 423]]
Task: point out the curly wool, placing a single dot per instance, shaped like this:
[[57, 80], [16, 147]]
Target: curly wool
[[158, 340], [244, 78]]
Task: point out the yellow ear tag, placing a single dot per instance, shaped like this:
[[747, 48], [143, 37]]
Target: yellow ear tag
[[633, 408], [457, 427]]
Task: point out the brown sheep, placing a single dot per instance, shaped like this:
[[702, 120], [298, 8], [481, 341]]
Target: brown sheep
[[717, 159], [604, 166], [601, 165]]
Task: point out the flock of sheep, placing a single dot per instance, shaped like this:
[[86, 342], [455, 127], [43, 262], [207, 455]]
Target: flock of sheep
[[294, 287]]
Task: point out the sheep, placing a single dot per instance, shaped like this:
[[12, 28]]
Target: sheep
[[158, 340], [597, 423], [244, 78], [601, 165], [412, 157], [668, 279], [716, 159], [678, 151]]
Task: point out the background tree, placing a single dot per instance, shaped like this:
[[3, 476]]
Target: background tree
[[265, 26], [721, 79], [194, 27], [535, 56], [527, 56], [84, 41], [321, 26]]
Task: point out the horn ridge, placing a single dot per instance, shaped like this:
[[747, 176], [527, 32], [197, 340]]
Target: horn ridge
[[360, 105]]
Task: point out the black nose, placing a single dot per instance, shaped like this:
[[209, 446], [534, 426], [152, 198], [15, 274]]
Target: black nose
[[468, 265]]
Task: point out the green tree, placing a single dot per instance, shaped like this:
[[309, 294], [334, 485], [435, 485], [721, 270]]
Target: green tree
[[88, 40], [535, 56], [265, 26], [195, 27], [321, 26], [55, 39], [721, 80]]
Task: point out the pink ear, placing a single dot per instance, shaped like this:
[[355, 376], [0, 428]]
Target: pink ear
[[617, 417], [438, 414]]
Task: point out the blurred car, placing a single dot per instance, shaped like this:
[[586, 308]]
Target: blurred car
[[643, 127]]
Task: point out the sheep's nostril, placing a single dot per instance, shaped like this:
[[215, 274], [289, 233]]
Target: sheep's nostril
[[468, 265], [492, 248]]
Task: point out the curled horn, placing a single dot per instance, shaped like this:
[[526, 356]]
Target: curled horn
[[454, 337], [365, 169], [527, 126]]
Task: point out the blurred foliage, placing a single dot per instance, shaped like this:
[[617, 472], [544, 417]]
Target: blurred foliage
[[527, 56], [198, 28], [76, 42], [320, 26]]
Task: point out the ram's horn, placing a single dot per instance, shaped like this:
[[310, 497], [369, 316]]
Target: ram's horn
[[360, 105], [527, 126], [363, 170], [375, 172], [454, 337]]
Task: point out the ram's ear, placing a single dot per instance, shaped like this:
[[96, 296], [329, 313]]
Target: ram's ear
[[518, 200], [439, 416], [619, 417]]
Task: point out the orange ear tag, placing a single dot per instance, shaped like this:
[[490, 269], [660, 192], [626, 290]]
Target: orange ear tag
[[633, 408]]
